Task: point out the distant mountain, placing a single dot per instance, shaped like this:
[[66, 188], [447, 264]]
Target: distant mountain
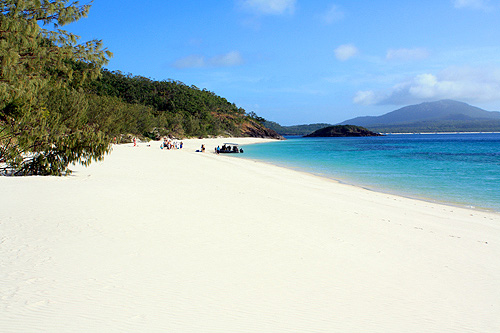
[[295, 129], [444, 115], [341, 131]]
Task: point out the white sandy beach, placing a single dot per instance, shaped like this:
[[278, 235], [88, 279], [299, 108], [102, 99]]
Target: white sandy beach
[[178, 241]]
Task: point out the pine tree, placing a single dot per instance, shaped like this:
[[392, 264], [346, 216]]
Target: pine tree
[[41, 134]]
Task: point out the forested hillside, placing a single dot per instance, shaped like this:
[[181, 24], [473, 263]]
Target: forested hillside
[[59, 106], [294, 129], [158, 108]]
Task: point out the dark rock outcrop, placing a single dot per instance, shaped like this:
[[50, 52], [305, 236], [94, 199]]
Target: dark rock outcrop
[[342, 131]]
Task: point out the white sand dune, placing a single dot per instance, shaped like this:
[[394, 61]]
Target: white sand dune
[[178, 241]]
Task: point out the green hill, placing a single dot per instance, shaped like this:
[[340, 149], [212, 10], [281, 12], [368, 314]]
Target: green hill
[[295, 129], [173, 108]]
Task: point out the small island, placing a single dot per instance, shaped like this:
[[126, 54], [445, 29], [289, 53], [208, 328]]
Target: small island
[[342, 131]]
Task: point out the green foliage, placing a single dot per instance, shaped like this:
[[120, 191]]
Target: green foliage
[[295, 129], [43, 142], [43, 114], [174, 108]]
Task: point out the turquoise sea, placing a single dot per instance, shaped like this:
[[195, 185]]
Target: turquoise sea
[[459, 169]]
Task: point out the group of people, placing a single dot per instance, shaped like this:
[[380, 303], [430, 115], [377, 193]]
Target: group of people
[[169, 144], [228, 149]]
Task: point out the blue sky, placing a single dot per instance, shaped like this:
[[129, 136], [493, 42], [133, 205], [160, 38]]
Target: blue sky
[[308, 61]]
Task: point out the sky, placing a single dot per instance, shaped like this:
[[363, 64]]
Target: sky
[[308, 61]]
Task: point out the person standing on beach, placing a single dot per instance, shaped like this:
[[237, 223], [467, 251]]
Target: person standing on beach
[[135, 142]]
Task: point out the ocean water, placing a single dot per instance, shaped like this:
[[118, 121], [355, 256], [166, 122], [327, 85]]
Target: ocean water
[[458, 169]]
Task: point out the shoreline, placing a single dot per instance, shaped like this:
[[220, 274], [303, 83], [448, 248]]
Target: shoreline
[[153, 240], [431, 198], [380, 189]]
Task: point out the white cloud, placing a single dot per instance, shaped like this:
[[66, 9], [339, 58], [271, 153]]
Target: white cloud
[[474, 4], [407, 54], [269, 7], [332, 15], [191, 61], [461, 83], [425, 86], [366, 97], [346, 51], [230, 59]]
